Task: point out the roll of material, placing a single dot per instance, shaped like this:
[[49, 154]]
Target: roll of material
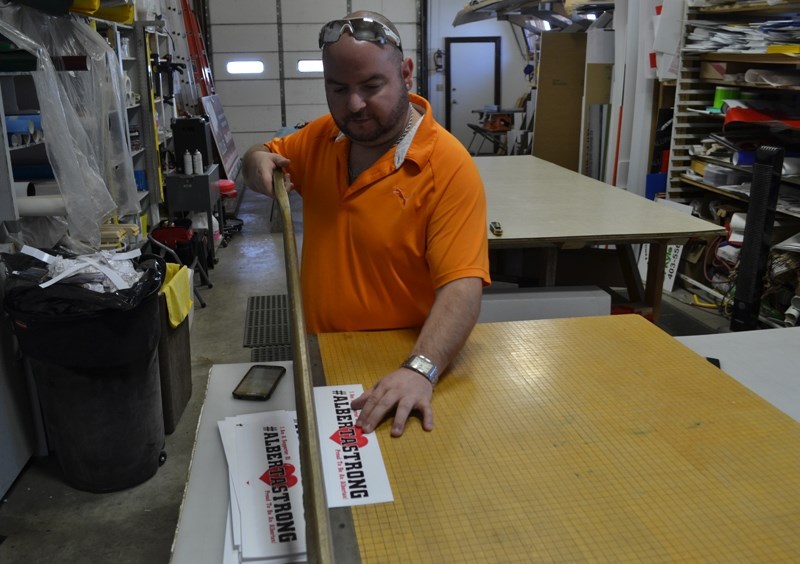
[[793, 313], [38, 206], [723, 93], [22, 189], [743, 158], [25, 139], [128, 90], [36, 188], [23, 123], [32, 171]]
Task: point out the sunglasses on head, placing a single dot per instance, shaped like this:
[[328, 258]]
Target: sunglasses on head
[[363, 29]]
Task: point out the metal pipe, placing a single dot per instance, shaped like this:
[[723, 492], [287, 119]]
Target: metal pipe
[[318, 532]]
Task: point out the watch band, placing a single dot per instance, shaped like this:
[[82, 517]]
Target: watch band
[[424, 366]]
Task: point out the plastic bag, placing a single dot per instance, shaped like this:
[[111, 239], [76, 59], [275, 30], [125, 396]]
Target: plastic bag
[[24, 295]]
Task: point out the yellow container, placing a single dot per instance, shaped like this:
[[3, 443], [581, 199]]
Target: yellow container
[[88, 7], [120, 14]]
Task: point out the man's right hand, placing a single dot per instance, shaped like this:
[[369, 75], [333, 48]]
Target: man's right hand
[[258, 167]]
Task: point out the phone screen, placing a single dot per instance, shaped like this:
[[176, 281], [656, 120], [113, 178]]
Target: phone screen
[[259, 382]]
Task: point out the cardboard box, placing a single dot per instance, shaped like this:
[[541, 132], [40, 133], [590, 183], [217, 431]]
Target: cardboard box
[[557, 125], [722, 70]]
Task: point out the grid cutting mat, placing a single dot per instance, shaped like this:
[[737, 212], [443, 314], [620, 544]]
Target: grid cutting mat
[[592, 439]]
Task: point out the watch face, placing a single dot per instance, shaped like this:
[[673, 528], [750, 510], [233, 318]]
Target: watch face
[[423, 366]]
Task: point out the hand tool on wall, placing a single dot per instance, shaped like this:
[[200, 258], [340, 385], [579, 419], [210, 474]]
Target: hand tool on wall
[[165, 66]]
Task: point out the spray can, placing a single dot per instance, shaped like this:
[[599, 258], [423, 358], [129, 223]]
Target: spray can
[[187, 162], [197, 162]]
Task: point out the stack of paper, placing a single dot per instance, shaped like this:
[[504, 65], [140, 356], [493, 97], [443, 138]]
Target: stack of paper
[[266, 521], [759, 37]]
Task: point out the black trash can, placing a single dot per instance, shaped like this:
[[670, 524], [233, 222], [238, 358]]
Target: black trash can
[[97, 377]]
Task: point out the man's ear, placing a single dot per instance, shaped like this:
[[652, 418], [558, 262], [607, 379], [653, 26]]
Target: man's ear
[[407, 69]]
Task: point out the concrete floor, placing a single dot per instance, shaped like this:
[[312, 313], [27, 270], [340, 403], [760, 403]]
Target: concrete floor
[[43, 520]]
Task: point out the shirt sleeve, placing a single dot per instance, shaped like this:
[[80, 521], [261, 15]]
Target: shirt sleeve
[[458, 244]]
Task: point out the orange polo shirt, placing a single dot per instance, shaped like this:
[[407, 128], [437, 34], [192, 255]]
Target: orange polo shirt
[[375, 251]]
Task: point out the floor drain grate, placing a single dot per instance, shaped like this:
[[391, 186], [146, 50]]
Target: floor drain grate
[[271, 354], [267, 321]]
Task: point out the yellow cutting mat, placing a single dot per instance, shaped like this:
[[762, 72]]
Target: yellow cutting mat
[[592, 439]]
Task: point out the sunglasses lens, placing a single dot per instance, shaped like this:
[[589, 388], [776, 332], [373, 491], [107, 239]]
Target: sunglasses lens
[[363, 30]]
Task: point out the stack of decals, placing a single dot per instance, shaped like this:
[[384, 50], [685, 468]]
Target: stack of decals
[[266, 521]]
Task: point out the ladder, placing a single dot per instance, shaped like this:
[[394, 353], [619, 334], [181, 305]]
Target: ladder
[[197, 51]]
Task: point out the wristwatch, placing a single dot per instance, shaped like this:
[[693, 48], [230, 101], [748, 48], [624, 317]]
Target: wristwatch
[[423, 365]]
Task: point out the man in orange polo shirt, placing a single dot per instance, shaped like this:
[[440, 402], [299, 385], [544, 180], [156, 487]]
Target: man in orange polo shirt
[[394, 214]]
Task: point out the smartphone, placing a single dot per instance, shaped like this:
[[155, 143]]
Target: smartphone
[[259, 382]]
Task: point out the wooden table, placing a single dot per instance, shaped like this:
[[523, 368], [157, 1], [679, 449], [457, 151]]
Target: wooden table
[[573, 440], [542, 205]]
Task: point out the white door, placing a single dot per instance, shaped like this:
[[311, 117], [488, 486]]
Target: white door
[[472, 81]]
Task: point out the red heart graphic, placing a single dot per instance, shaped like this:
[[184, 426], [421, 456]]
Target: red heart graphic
[[346, 435], [280, 476]]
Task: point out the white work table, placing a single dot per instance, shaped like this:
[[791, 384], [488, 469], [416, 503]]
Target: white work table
[[200, 535], [767, 362], [542, 205]]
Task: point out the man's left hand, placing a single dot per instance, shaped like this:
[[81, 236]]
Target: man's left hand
[[402, 391]]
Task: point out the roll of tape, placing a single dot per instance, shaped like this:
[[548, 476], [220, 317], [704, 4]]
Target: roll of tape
[[790, 317], [128, 91]]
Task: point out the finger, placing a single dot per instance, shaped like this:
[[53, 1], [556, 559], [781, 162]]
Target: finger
[[359, 402], [427, 417], [287, 179], [281, 161], [400, 418], [367, 403], [375, 410]]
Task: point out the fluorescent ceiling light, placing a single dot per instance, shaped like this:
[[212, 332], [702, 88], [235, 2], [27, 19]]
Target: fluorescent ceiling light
[[309, 65], [245, 67]]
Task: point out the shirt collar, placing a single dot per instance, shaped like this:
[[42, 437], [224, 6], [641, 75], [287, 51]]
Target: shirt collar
[[404, 149]]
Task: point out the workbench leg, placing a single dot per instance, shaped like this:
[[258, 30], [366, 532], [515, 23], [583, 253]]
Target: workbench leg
[[655, 277], [551, 266], [630, 272]]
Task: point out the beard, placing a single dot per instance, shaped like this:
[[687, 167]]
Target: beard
[[351, 124]]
